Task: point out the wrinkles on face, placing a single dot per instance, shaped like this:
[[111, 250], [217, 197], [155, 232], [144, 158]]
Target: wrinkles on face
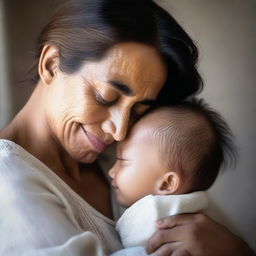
[[89, 101], [146, 69]]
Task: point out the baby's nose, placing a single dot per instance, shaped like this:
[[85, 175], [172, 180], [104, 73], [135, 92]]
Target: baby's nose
[[111, 173]]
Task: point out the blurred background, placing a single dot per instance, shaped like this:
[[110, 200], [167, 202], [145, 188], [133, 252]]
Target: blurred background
[[225, 32]]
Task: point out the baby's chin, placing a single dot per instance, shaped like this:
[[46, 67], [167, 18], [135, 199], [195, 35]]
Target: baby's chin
[[125, 203], [122, 201]]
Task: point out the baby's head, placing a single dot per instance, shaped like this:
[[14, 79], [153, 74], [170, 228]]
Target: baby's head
[[171, 150]]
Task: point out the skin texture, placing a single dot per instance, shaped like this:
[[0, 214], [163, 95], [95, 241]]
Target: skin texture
[[96, 107], [69, 95], [139, 169], [137, 175], [66, 112], [147, 161], [195, 235]]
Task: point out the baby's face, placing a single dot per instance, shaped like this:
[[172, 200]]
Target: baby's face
[[138, 166]]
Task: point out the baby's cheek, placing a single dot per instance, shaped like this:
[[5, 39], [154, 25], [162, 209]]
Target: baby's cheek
[[135, 190], [128, 189]]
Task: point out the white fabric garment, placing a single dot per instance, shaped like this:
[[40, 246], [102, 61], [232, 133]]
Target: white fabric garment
[[132, 251], [137, 224], [41, 215]]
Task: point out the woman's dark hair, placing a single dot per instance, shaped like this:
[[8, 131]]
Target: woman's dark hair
[[84, 30]]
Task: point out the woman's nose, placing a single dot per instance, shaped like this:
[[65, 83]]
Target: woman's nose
[[117, 124]]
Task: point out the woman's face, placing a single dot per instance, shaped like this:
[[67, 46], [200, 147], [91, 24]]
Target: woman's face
[[88, 110]]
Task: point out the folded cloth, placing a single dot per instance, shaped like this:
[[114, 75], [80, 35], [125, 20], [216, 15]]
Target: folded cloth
[[86, 243], [137, 223], [132, 251]]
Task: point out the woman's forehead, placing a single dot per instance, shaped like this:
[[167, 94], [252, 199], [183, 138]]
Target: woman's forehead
[[132, 64], [143, 63]]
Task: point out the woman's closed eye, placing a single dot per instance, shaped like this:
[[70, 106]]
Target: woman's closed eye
[[103, 101], [109, 100]]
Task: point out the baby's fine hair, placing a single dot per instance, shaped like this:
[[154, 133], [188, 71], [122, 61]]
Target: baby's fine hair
[[195, 141]]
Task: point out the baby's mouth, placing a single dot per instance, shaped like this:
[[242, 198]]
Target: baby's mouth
[[114, 186]]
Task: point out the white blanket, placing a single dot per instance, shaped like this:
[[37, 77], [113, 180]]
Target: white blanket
[[137, 224]]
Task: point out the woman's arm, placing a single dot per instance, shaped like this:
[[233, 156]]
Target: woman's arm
[[195, 235]]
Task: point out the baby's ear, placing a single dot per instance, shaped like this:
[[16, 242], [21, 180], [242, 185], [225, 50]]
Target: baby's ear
[[168, 184]]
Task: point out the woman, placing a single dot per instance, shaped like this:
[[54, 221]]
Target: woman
[[100, 65]]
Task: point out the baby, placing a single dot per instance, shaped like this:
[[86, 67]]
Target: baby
[[170, 156]]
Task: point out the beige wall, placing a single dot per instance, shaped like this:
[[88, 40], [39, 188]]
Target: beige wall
[[5, 103], [225, 32], [226, 35], [23, 20]]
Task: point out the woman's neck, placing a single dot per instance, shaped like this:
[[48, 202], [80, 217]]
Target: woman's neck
[[30, 130]]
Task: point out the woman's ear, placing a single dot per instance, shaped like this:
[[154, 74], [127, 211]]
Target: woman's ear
[[48, 63], [168, 184]]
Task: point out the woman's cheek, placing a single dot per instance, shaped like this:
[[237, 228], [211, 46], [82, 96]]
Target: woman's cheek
[[93, 112]]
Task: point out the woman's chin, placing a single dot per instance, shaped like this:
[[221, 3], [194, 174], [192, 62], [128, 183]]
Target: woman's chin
[[86, 158], [79, 149], [90, 158]]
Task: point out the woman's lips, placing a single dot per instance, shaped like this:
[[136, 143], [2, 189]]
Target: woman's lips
[[96, 143]]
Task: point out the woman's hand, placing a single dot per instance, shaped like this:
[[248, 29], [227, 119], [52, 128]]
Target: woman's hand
[[195, 235]]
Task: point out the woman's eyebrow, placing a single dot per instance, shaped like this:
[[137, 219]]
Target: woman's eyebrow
[[126, 90]]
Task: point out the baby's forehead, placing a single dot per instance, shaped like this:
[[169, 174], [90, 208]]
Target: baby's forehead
[[141, 132], [175, 116], [150, 123], [167, 120], [156, 118], [145, 128], [176, 119]]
